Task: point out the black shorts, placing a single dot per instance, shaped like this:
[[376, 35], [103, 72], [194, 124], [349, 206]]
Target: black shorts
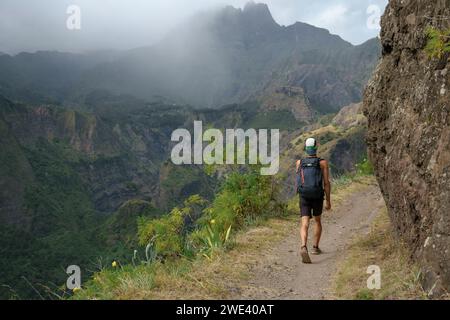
[[310, 208]]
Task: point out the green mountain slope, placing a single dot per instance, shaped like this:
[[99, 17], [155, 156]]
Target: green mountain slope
[[73, 183]]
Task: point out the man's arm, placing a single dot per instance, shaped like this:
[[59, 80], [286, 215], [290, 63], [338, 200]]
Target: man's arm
[[326, 182], [297, 166]]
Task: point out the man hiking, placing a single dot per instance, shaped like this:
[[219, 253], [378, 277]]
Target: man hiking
[[312, 184]]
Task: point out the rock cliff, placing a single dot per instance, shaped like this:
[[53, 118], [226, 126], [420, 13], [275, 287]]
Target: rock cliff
[[407, 105]]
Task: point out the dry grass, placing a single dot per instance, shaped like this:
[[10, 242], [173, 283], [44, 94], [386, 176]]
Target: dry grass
[[400, 278], [203, 278], [347, 185], [228, 271]]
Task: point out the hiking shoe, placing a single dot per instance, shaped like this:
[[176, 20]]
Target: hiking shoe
[[316, 250], [304, 254]]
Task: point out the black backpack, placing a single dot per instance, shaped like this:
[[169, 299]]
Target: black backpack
[[310, 179]]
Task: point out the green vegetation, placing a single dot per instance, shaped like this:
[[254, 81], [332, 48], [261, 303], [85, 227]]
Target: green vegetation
[[243, 200], [325, 120], [73, 184], [365, 167], [180, 182], [190, 233], [438, 42], [281, 119], [327, 137], [66, 183], [119, 233], [167, 235], [61, 220]]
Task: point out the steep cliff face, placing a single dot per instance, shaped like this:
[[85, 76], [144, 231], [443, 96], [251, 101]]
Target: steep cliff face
[[407, 105], [292, 99]]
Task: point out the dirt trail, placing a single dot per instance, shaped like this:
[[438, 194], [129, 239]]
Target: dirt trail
[[280, 273]]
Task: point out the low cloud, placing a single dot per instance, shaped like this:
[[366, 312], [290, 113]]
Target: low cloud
[[332, 16], [118, 24]]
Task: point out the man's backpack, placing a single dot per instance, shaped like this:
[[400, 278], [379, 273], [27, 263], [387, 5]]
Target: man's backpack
[[310, 179]]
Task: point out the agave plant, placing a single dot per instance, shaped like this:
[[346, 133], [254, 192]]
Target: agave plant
[[215, 239], [150, 251]]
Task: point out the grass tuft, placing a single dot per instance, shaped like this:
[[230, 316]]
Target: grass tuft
[[400, 277]]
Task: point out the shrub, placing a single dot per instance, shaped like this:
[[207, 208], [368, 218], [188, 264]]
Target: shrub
[[327, 137], [210, 238], [166, 234], [365, 167], [438, 42], [245, 197]]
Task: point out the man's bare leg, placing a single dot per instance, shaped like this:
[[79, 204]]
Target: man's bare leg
[[304, 230], [317, 230], [304, 238], [317, 234]]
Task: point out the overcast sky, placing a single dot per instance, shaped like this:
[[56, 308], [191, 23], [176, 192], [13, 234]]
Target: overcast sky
[[30, 25]]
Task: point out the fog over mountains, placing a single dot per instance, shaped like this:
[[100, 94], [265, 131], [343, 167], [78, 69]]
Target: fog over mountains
[[216, 58]]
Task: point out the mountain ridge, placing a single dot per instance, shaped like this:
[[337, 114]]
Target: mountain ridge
[[217, 58], [244, 56]]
